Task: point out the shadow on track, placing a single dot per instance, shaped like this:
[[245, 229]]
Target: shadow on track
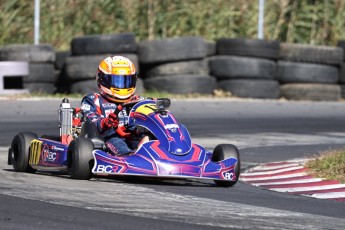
[[139, 180]]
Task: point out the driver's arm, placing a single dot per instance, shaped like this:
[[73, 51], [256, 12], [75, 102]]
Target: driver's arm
[[93, 112]]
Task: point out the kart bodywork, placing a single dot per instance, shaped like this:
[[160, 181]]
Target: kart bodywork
[[169, 153]]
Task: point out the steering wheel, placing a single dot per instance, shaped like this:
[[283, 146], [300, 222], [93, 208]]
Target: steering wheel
[[121, 129]]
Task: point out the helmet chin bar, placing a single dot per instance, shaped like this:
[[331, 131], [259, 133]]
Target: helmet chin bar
[[112, 96]]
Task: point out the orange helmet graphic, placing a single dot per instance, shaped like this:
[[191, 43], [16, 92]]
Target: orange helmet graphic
[[116, 78]]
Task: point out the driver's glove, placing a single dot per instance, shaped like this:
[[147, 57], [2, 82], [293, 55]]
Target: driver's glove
[[110, 121]]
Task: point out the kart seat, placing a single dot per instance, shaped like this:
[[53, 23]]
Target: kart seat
[[90, 131]]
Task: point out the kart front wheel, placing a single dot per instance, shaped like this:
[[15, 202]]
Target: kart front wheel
[[80, 159], [19, 152], [222, 152]]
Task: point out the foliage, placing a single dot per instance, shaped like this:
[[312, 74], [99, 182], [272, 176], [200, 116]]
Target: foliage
[[303, 21], [330, 165]]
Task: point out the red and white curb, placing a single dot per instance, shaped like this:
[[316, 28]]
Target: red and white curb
[[292, 177]]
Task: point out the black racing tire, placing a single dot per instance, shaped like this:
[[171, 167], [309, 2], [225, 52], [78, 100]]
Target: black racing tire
[[41, 72], [140, 86], [171, 50], [80, 159], [84, 87], [38, 87], [235, 67], [248, 47], [342, 87], [176, 68], [312, 54], [342, 73], [20, 152], [85, 67], [103, 44], [311, 92], [60, 58], [225, 151], [27, 52], [62, 82], [296, 72], [210, 48], [251, 88], [182, 84], [90, 86], [341, 44]]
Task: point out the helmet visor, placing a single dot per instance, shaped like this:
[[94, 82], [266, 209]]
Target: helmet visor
[[119, 81]]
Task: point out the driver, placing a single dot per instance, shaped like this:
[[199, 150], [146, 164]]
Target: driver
[[116, 79]]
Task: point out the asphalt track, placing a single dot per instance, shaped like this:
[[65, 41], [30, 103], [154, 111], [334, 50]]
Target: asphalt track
[[264, 131]]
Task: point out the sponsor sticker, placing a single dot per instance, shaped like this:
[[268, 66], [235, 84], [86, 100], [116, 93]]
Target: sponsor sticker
[[229, 175], [85, 107], [56, 148], [104, 169]]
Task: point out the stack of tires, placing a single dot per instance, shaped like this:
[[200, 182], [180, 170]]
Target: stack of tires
[[60, 71], [41, 78], [88, 51], [177, 65], [308, 72], [246, 67], [341, 44]]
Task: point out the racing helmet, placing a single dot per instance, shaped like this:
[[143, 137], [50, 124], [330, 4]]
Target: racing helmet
[[116, 78]]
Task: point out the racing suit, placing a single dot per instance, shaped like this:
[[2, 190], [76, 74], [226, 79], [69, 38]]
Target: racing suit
[[95, 108]]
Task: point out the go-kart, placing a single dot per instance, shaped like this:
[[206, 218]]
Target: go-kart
[[80, 150]]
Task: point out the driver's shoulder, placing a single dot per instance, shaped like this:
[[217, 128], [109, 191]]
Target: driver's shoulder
[[91, 99], [91, 96]]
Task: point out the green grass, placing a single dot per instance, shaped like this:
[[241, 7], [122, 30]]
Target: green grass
[[312, 22], [329, 165]]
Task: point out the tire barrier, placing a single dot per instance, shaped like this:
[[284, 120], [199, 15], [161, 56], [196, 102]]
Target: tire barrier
[[311, 91], [90, 85], [236, 67], [296, 72], [342, 79], [248, 68], [303, 69], [177, 65], [248, 48], [210, 48], [341, 44], [40, 87], [182, 84], [60, 59], [251, 88], [176, 68], [60, 71], [86, 54], [85, 67], [41, 58], [27, 52], [171, 50], [102, 44], [311, 54]]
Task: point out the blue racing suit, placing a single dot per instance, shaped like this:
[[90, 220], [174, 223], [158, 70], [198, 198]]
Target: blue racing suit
[[95, 107]]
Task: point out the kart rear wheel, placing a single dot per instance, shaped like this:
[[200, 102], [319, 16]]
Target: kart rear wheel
[[222, 152], [20, 152], [80, 159]]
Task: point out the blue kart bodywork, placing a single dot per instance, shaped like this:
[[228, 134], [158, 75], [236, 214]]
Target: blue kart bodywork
[[171, 154]]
